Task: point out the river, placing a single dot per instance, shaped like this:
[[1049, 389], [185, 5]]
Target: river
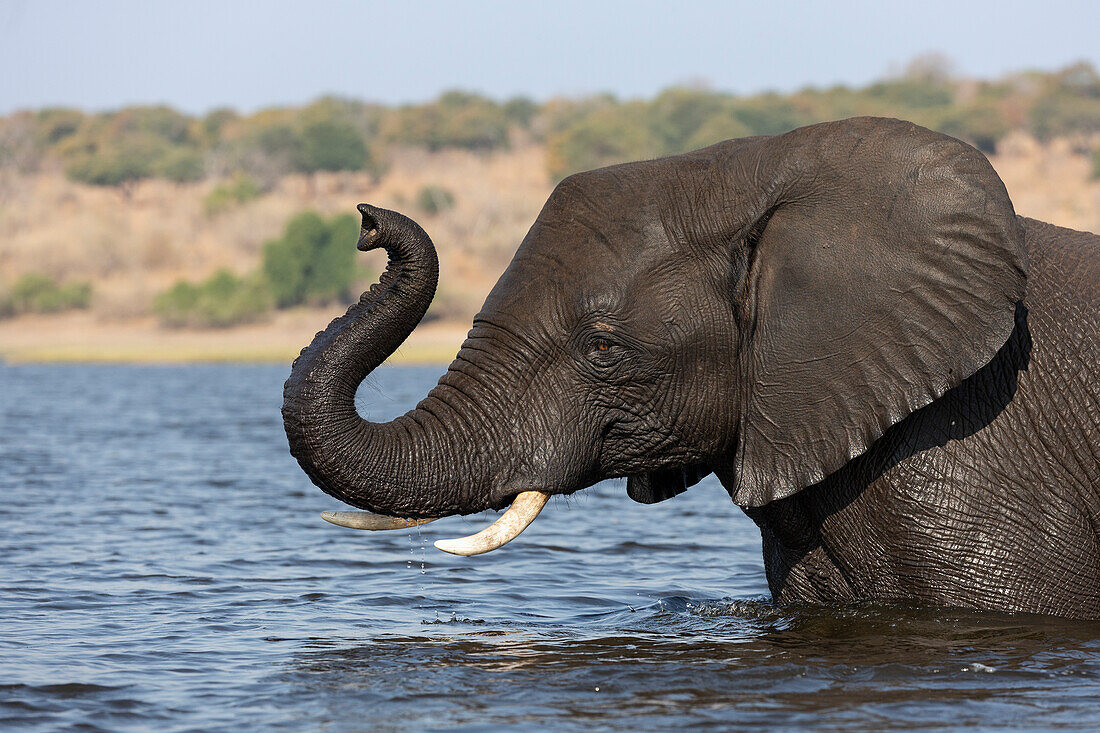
[[164, 568]]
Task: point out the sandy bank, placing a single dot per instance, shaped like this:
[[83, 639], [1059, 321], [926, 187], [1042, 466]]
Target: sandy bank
[[84, 337]]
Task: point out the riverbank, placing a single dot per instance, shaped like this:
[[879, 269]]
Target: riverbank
[[85, 337]]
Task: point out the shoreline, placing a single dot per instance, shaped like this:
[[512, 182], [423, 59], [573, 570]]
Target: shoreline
[[82, 338]]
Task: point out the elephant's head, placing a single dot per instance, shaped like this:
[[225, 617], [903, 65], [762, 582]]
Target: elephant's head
[[764, 308]]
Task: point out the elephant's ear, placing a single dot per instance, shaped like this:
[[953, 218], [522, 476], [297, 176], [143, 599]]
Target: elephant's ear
[[885, 271]]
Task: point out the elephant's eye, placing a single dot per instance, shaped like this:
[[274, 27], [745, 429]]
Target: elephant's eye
[[602, 350], [601, 346]]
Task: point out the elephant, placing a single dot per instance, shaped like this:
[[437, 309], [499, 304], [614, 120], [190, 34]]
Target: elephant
[[892, 374]]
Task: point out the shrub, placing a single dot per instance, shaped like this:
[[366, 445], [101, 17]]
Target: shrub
[[603, 137], [112, 167], [241, 189], [1063, 113], [213, 125], [520, 110], [180, 165], [913, 93], [332, 146], [455, 120], [37, 293], [278, 142], [114, 148], [314, 260], [679, 113], [56, 124], [220, 301], [981, 125], [769, 114], [722, 126], [434, 199]]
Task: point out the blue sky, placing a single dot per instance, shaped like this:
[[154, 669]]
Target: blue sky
[[201, 54]]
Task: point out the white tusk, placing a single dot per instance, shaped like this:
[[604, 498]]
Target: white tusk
[[367, 520], [525, 507]]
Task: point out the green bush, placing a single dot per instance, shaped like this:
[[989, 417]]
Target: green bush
[[455, 120], [37, 293], [241, 189], [332, 146], [981, 125], [213, 125], [520, 110], [114, 148], [770, 114], [220, 301], [331, 133], [913, 93], [721, 126], [434, 199], [180, 165], [678, 114], [606, 136], [56, 124], [314, 260], [1063, 113], [112, 167]]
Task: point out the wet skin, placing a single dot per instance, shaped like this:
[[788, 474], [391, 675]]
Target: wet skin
[[888, 370]]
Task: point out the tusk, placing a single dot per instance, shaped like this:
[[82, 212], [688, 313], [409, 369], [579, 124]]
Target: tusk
[[525, 507], [368, 520]]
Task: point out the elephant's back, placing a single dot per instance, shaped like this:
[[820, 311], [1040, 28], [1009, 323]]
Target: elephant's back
[[1064, 276], [1063, 315]]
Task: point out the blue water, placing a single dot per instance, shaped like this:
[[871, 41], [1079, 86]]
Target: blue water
[[164, 568]]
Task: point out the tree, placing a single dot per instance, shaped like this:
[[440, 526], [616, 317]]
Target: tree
[[614, 134], [314, 260], [332, 146]]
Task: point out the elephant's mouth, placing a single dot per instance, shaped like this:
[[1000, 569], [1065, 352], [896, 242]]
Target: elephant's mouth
[[525, 507]]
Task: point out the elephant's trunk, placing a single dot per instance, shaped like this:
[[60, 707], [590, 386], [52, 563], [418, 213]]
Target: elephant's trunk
[[407, 467]]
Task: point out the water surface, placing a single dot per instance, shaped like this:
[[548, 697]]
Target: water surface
[[164, 567]]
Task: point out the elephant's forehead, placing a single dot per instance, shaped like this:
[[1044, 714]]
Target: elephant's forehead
[[578, 262]]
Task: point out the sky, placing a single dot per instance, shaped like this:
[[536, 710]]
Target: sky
[[202, 54]]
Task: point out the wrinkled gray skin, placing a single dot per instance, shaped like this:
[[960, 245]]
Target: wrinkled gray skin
[[894, 375]]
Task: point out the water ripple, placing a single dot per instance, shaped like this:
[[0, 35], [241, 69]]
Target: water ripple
[[165, 568]]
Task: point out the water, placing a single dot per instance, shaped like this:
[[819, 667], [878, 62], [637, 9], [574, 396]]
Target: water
[[164, 568]]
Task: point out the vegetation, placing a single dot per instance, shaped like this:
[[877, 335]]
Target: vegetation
[[242, 157], [332, 146], [434, 200], [332, 134], [240, 189], [455, 120], [37, 293], [220, 301], [314, 260]]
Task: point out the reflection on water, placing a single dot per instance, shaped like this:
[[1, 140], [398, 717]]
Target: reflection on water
[[165, 567]]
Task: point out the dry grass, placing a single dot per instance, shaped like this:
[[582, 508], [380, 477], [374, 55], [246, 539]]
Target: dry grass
[[134, 243], [84, 337], [1050, 182]]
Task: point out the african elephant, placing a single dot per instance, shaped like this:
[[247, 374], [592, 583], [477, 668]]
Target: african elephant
[[890, 372]]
